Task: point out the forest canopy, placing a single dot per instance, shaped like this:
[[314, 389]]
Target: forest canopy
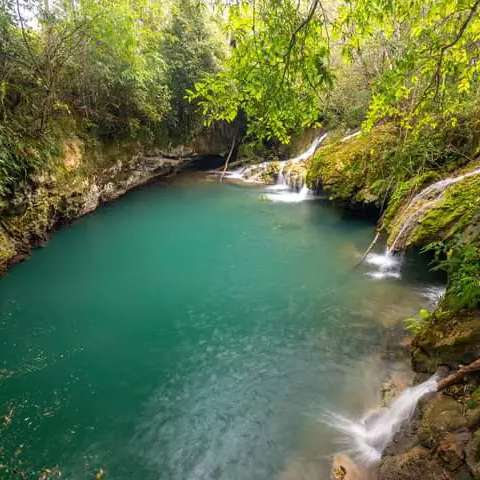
[[118, 69], [156, 71], [299, 62]]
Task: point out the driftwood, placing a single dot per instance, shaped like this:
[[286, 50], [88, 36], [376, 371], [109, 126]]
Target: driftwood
[[228, 158], [368, 250], [458, 375]]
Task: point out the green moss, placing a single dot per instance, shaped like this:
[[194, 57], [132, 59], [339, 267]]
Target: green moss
[[404, 191], [358, 169], [454, 211], [7, 249], [450, 338]]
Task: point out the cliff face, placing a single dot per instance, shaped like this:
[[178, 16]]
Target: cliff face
[[73, 185]]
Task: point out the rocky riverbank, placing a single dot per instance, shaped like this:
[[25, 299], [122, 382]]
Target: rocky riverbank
[[75, 184], [438, 205], [443, 441]]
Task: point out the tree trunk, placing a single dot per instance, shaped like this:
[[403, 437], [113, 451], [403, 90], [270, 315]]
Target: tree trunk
[[458, 375], [230, 153]]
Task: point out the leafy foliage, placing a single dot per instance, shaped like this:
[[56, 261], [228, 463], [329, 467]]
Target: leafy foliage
[[279, 61], [117, 68], [419, 323], [461, 260]]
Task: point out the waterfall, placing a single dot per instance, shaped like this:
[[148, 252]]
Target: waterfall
[[387, 265], [431, 195], [310, 150], [287, 189], [290, 188], [281, 177], [367, 438], [348, 137]]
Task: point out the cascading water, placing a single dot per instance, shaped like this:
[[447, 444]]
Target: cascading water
[[310, 150], [352, 135], [283, 190], [367, 438], [387, 265], [431, 195]]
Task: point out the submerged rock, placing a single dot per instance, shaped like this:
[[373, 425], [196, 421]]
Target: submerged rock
[[344, 468]]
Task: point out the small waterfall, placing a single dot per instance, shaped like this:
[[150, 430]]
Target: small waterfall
[[387, 265], [288, 184], [368, 437], [286, 189], [348, 137], [310, 150], [431, 195], [281, 176]]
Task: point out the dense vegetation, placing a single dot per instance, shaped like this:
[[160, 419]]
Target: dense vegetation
[[404, 74], [114, 68]]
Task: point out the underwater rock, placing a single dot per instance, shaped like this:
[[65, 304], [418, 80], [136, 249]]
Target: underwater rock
[[344, 468]]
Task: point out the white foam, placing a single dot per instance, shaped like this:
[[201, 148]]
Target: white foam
[[387, 265], [367, 438]]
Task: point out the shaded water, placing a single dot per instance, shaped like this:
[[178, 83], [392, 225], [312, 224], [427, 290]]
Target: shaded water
[[194, 331]]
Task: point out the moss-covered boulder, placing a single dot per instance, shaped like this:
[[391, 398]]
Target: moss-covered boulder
[[439, 212], [357, 170], [415, 464], [442, 415], [450, 339]]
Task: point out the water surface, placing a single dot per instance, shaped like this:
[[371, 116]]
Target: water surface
[[194, 331]]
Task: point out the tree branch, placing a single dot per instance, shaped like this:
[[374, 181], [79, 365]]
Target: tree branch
[[457, 376]]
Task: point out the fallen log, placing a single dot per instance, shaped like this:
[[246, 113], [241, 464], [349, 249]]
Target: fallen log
[[458, 375]]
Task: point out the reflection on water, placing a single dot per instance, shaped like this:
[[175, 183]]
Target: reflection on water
[[194, 331]]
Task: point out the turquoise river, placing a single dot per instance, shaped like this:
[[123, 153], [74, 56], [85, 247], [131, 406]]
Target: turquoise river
[[192, 331]]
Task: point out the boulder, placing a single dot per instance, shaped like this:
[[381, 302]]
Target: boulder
[[415, 464], [441, 416], [449, 340], [473, 454]]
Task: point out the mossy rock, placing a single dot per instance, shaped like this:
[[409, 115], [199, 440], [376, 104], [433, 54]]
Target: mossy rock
[[416, 464], [356, 170], [450, 339], [441, 416], [452, 211], [7, 250], [473, 454]]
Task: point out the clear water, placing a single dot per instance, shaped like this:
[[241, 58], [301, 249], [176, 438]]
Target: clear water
[[194, 331]]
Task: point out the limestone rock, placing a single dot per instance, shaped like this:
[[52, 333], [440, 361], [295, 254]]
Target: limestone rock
[[441, 416], [473, 454], [448, 341], [451, 449], [415, 464], [72, 153]]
